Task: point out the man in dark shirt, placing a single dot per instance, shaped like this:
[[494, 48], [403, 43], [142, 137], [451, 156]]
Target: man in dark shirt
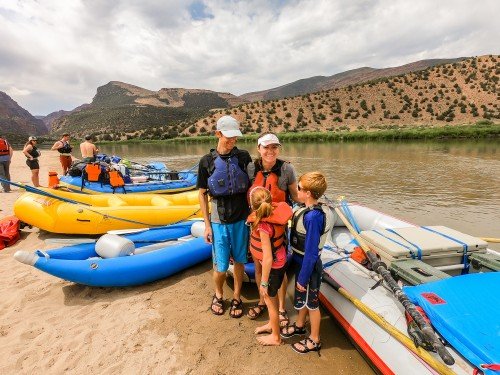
[[222, 175]]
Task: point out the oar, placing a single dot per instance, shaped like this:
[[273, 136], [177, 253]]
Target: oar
[[34, 190], [389, 328], [491, 239], [381, 268]]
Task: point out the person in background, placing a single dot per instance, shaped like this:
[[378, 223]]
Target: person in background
[[278, 176], [268, 222], [31, 152], [311, 224], [64, 149], [6, 153], [222, 175], [89, 150]]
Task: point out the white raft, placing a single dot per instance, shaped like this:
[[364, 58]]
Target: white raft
[[397, 242]]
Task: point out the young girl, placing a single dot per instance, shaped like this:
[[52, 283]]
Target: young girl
[[32, 154], [267, 244]]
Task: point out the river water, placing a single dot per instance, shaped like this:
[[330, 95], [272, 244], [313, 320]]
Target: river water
[[451, 183]]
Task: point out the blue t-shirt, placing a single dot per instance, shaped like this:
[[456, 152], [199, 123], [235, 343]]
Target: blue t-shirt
[[313, 222]]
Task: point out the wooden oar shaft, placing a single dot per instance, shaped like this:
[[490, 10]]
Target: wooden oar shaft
[[389, 328], [491, 239], [409, 306]]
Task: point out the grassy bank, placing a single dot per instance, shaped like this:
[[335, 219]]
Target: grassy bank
[[480, 130]]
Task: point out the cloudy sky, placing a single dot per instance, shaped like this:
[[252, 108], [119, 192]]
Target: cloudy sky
[[55, 53]]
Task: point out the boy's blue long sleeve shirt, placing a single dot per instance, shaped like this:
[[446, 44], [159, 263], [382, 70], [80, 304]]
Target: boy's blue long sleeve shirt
[[313, 223]]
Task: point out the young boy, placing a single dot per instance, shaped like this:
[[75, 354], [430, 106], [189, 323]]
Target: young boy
[[311, 223]]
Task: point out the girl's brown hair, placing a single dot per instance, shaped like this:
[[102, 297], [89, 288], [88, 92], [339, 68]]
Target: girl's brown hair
[[261, 203]]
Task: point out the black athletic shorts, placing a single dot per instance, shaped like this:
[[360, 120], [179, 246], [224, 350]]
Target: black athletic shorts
[[275, 280], [33, 164], [309, 298]]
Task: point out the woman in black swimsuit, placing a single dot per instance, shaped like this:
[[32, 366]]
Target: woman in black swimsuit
[[32, 154]]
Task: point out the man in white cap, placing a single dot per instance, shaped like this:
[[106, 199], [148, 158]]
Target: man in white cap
[[222, 175]]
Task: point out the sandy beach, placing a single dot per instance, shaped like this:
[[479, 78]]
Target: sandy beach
[[53, 326]]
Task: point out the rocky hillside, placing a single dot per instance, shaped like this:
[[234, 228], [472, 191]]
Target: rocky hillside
[[120, 110], [17, 123], [349, 77], [455, 93], [51, 117]]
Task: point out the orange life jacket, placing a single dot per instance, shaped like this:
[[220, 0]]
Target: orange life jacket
[[4, 147], [281, 214], [269, 180], [93, 172], [116, 179], [359, 255]]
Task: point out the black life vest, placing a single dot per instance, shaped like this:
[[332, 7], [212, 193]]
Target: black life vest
[[66, 148], [227, 177], [298, 230], [34, 152], [4, 147]]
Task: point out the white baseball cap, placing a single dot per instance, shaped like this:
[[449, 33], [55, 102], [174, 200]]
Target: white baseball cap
[[229, 127], [268, 139]]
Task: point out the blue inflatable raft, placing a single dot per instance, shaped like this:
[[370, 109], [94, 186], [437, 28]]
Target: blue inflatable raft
[[154, 254], [186, 180]]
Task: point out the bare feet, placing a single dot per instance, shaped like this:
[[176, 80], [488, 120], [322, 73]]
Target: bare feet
[[269, 340], [266, 328]]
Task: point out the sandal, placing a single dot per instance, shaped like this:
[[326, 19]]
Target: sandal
[[284, 319], [286, 334], [305, 349], [236, 305], [255, 311], [217, 305]]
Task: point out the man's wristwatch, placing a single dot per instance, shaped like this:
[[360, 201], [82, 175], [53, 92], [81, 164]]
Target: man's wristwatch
[[264, 284]]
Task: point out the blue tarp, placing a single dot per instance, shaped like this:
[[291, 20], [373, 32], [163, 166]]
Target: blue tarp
[[465, 310]]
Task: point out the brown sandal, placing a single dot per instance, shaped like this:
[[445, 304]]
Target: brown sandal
[[217, 305], [255, 311], [236, 305], [284, 319], [305, 349]]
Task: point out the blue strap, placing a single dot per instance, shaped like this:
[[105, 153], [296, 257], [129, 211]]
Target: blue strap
[[419, 250], [465, 260], [349, 215], [332, 262]]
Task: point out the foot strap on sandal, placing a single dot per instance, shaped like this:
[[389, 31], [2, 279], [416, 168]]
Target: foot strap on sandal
[[305, 349]]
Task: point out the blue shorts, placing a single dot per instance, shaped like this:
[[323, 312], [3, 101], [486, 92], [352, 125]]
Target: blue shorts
[[229, 240]]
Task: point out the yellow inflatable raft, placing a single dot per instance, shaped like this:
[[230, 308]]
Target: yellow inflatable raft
[[71, 213]]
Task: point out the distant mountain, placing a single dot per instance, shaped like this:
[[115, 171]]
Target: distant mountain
[[349, 77], [16, 122], [461, 92], [51, 117], [119, 109]]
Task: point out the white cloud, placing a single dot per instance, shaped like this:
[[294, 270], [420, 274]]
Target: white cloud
[[59, 52], [14, 91]]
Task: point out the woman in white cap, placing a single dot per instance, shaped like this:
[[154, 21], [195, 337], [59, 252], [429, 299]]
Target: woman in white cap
[[31, 152], [278, 176]]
